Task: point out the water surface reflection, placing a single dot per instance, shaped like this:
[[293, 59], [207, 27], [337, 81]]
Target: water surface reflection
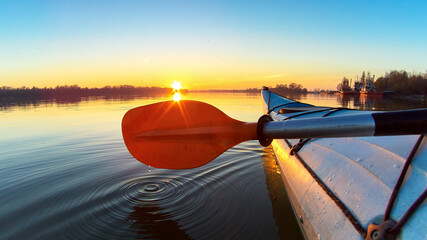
[[66, 173], [151, 222]]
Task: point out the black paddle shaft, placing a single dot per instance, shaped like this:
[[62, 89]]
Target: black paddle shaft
[[400, 122], [407, 122]]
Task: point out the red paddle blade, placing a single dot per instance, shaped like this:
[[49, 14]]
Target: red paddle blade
[[180, 135]]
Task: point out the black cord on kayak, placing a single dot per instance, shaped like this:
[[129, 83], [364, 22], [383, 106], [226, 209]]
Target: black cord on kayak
[[411, 210], [401, 178], [270, 110], [336, 110], [389, 229], [299, 145], [308, 112]]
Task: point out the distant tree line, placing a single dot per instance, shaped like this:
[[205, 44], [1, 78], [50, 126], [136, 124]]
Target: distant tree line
[[253, 90], [344, 85], [248, 90], [67, 91], [402, 82], [75, 92], [292, 88]]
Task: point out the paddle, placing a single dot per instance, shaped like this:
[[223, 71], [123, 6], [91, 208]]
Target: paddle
[[189, 134]]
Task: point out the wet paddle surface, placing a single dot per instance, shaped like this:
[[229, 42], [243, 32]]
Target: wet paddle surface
[[66, 173]]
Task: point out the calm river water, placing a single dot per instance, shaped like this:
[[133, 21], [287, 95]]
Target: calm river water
[[65, 173]]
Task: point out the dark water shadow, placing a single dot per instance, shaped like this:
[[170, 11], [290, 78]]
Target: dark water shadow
[[151, 222], [283, 214]]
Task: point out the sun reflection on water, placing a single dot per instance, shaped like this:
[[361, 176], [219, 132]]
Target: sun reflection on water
[[177, 97]]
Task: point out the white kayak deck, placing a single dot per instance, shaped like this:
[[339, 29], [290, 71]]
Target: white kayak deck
[[360, 171]]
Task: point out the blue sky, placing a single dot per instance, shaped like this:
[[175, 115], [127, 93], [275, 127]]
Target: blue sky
[[208, 44]]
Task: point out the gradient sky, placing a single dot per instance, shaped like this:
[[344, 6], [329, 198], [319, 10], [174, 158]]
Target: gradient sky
[[208, 44]]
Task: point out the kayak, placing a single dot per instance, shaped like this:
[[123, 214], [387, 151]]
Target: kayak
[[352, 187]]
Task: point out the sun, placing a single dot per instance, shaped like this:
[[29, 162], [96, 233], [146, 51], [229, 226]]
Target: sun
[[176, 85]]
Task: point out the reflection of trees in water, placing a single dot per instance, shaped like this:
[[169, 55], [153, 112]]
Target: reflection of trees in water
[[368, 102], [76, 91], [151, 223], [381, 103], [399, 103], [358, 102], [345, 100], [8, 103], [363, 102], [23, 97]]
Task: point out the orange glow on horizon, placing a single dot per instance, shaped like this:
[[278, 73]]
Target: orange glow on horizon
[[105, 74]]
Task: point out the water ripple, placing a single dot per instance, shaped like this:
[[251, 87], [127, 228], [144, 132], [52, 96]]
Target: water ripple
[[90, 193]]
